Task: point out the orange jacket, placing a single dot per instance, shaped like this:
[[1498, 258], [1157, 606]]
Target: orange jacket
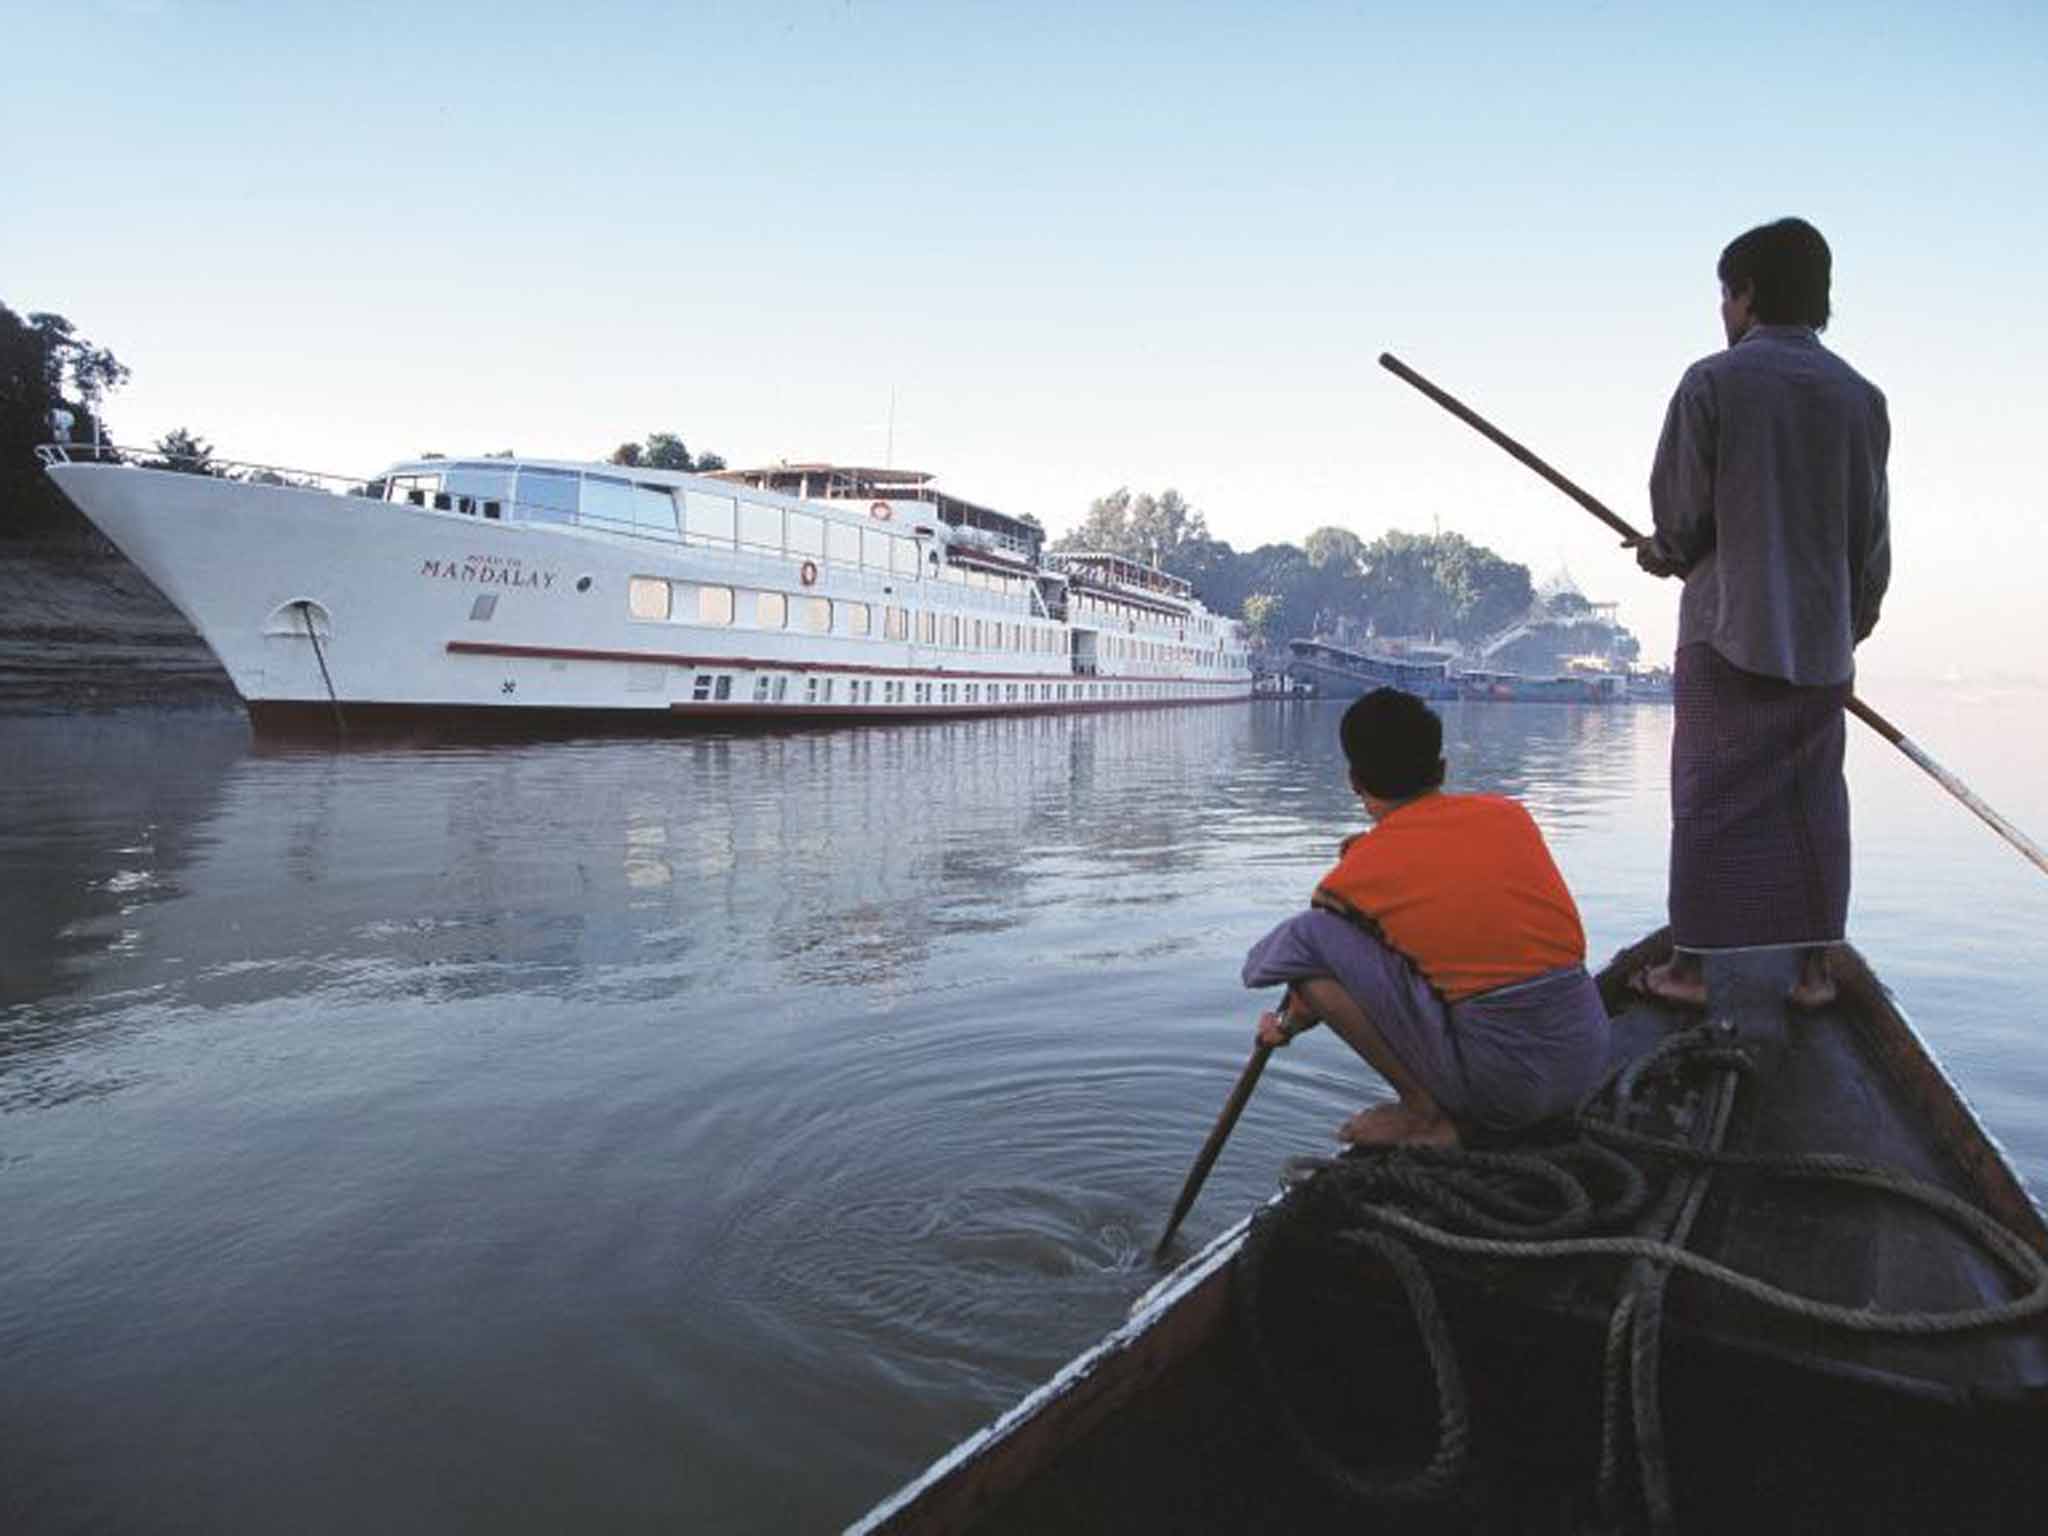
[[1465, 888]]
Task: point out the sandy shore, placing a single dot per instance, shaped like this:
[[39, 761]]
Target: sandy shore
[[87, 634]]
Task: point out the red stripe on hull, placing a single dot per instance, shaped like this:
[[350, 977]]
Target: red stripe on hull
[[772, 664]]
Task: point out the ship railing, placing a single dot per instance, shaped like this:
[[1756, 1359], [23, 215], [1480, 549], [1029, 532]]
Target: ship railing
[[241, 471]]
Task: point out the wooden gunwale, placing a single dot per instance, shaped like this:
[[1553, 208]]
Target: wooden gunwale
[[1176, 1317]]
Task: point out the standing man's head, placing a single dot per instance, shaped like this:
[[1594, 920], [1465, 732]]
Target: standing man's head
[[1776, 274], [1394, 743]]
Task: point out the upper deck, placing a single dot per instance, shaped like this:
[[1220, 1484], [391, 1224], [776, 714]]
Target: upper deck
[[1020, 537]]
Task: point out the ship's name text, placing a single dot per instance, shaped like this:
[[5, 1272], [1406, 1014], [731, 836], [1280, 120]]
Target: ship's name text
[[489, 571]]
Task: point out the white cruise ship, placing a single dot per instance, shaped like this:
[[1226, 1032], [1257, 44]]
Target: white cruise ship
[[519, 592]]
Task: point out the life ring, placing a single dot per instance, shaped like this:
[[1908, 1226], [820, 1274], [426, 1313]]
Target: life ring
[[809, 572], [881, 511]]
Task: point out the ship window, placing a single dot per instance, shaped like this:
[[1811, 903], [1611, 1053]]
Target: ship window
[[701, 689], [781, 689], [761, 527], [761, 682], [482, 609], [606, 500], [896, 624], [707, 519], [815, 614], [928, 627], [903, 556], [806, 535], [771, 610], [723, 688], [647, 598], [654, 511], [492, 510], [857, 620], [952, 629], [842, 543], [545, 495], [874, 549], [714, 605]]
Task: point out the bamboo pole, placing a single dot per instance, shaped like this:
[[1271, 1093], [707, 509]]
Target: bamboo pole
[[1246, 1081]]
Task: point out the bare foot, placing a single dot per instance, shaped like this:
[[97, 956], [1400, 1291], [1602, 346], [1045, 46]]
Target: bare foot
[[1380, 1126], [1396, 1125], [1811, 991], [1815, 987], [1666, 983]]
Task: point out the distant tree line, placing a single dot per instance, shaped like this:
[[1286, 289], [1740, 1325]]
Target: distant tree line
[[1333, 582]]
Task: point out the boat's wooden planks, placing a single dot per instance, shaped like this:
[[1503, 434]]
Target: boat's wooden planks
[[1820, 1087]]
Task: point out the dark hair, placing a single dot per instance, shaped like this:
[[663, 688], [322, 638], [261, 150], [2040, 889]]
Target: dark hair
[[1786, 267], [1394, 743]]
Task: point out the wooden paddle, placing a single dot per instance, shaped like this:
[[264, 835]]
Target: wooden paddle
[[1856, 706], [1246, 1081]]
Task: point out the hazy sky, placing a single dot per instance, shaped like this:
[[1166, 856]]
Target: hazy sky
[[1088, 246]]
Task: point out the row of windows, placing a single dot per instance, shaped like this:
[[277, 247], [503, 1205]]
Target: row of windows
[[689, 602], [782, 688], [1159, 650], [707, 518], [1107, 610]]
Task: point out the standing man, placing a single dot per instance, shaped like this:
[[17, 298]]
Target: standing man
[[1770, 501]]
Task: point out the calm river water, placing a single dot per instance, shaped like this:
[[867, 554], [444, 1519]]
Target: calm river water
[[702, 1134]]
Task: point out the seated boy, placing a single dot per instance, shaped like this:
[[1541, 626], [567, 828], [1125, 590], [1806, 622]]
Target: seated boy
[[1444, 948]]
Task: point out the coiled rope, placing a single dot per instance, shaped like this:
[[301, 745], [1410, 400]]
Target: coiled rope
[[1540, 1205]]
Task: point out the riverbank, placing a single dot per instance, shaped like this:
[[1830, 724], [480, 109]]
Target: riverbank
[[85, 632]]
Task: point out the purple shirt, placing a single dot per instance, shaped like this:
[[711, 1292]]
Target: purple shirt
[[1769, 487]]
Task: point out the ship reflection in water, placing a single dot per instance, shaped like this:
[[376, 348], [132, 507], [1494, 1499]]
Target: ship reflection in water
[[699, 1132]]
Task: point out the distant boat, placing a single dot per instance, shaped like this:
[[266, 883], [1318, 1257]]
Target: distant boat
[[1430, 673], [1341, 672], [521, 592], [1306, 1383]]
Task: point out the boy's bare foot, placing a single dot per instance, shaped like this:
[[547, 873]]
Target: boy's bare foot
[[1396, 1125], [1380, 1126]]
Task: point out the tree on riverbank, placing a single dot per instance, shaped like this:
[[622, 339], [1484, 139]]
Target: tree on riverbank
[[45, 366], [1399, 584], [665, 450], [185, 452]]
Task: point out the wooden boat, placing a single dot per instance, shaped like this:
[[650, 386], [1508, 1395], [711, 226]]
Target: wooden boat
[[1310, 1401]]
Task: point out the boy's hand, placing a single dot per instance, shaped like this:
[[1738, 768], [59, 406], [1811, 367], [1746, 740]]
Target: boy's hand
[[1276, 1029]]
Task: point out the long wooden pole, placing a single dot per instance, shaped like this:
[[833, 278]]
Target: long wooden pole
[[1246, 1081], [1857, 707]]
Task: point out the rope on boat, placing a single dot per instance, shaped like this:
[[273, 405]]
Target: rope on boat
[[306, 613], [1353, 1204]]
